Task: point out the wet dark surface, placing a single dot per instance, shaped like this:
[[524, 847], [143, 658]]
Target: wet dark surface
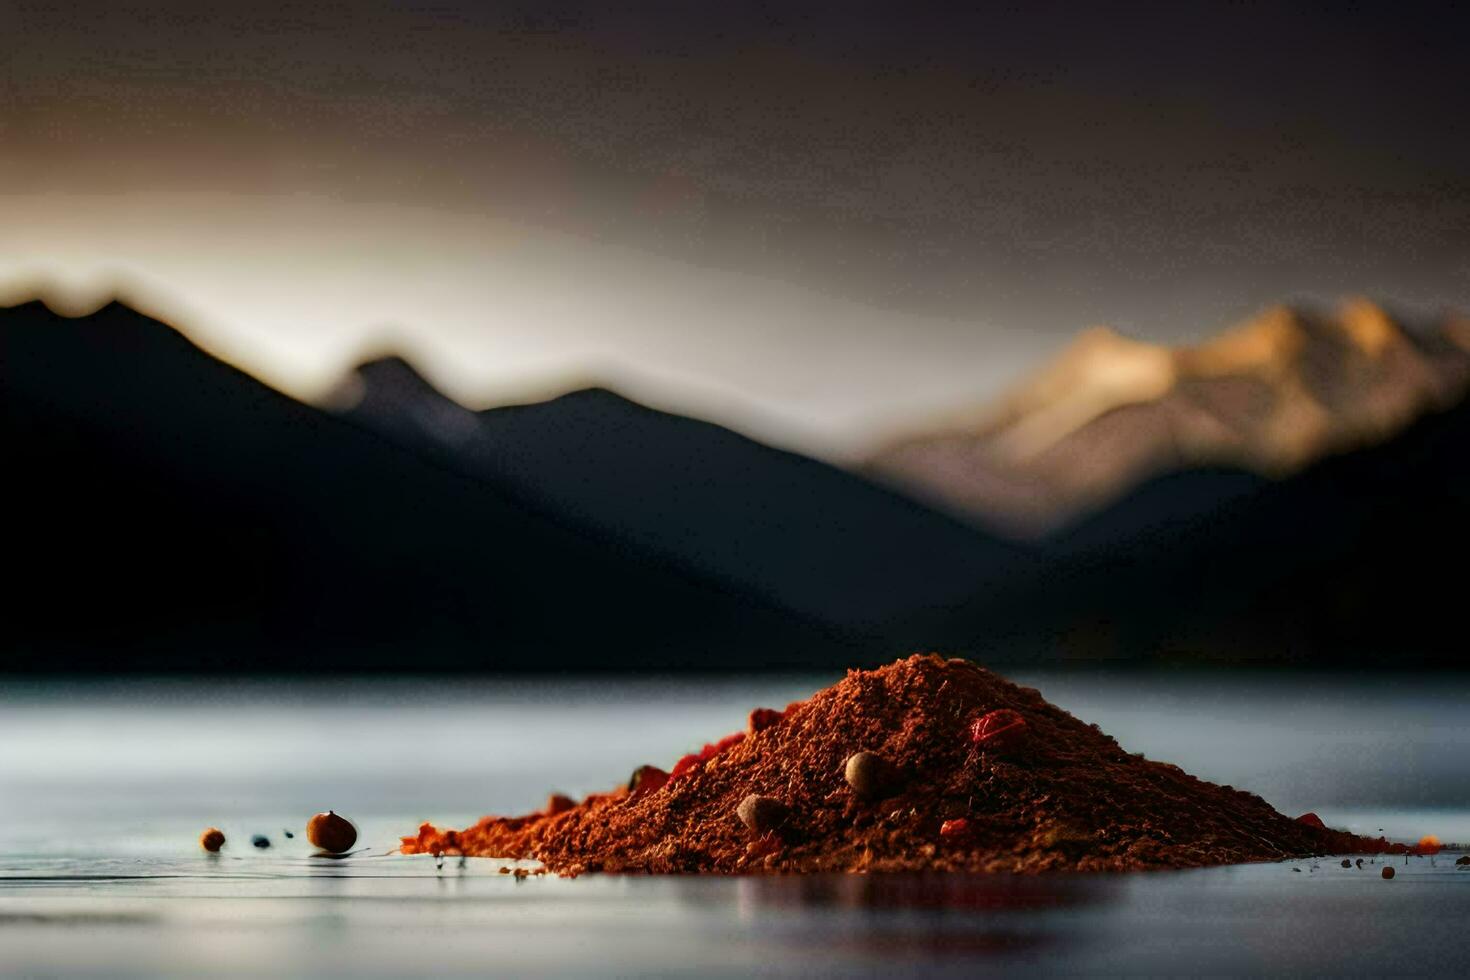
[[104, 790]]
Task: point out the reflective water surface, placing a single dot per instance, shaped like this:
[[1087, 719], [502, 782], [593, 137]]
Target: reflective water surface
[[105, 787]]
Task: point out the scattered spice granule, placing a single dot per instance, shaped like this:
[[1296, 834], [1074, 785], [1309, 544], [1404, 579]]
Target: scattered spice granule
[[1061, 796], [956, 829], [331, 832], [1427, 846]]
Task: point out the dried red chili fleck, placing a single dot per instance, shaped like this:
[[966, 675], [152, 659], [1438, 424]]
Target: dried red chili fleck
[[998, 729], [1311, 820], [647, 779], [763, 718], [957, 829], [1079, 802], [558, 803]]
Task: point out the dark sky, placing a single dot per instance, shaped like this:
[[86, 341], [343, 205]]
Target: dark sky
[[818, 218]]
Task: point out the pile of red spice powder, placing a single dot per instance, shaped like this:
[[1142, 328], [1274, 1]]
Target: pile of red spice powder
[[978, 774]]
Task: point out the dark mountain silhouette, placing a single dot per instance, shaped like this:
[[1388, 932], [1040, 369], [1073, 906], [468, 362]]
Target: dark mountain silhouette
[[803, 534], [169, 512], [1210, 562], [1357, 560]]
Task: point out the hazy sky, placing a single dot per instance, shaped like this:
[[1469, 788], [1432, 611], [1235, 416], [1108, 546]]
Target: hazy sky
[[816, 221]]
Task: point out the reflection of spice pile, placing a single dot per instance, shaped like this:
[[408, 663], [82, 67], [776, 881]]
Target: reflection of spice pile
[[924, 764]]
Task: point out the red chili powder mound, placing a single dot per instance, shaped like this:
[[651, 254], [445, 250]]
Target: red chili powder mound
[[973, 773]]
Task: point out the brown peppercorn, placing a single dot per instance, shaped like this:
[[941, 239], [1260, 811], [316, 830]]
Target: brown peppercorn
[[1388, 871], [331, 832], [212, 839], [871, 776], [762, 814]]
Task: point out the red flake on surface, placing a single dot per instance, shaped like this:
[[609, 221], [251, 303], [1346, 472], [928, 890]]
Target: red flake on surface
[[998, 729], [647, 779], [558, 803], [763, 718], [956, 829]]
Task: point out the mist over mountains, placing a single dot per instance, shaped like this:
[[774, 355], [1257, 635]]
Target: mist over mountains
[[169, 512]]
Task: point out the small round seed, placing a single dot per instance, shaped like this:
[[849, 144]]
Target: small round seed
[[762, 814], [870, 775], [331, 832]]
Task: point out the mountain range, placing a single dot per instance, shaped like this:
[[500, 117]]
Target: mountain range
[[169, 512], [1270, 396], [695, 496]]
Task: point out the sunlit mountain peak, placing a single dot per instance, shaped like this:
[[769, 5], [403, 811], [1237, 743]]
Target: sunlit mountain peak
[[1270, 395]]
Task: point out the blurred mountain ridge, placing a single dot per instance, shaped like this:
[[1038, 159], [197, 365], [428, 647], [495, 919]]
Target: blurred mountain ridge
[[1271, 396], [169, 512], [697, 495]]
